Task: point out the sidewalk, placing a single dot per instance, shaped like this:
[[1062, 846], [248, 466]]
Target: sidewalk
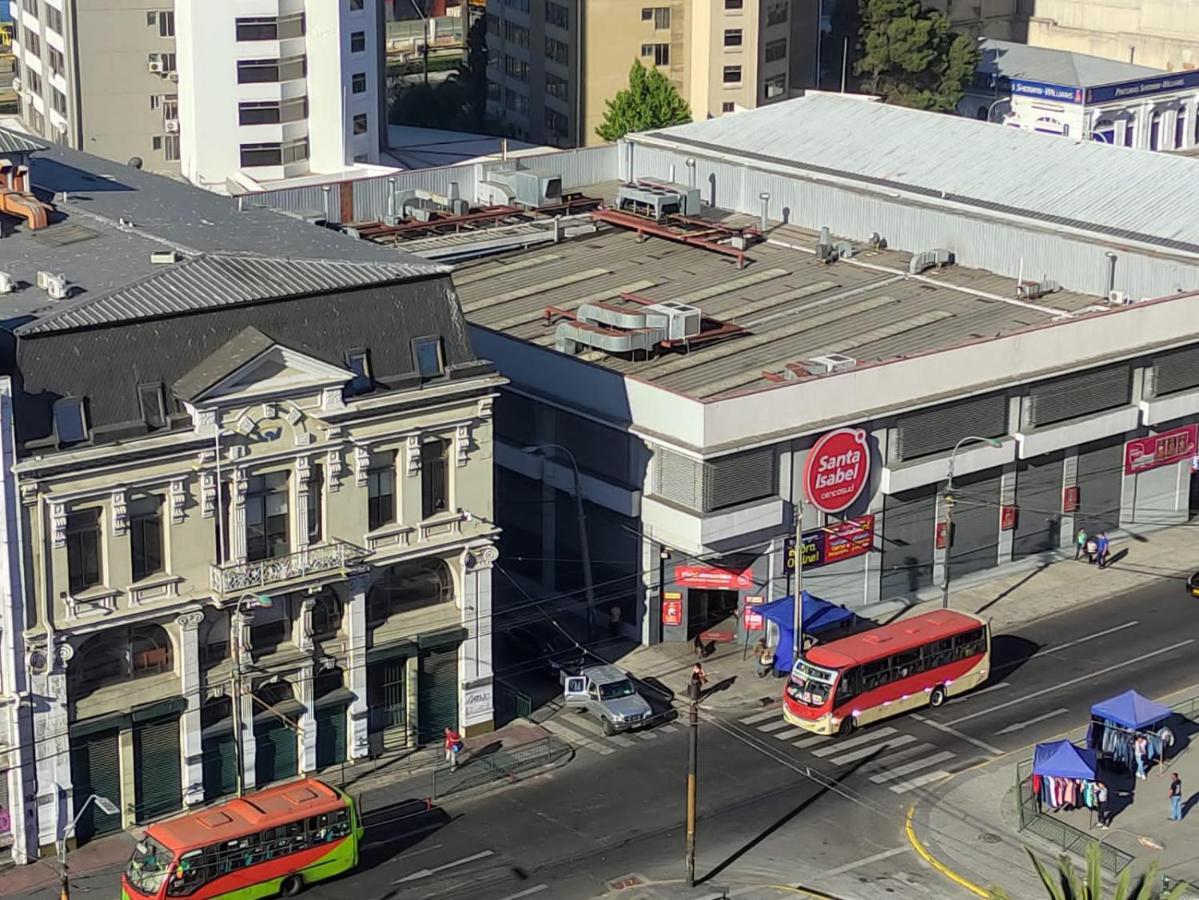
[[1008, 596], [375, 785]]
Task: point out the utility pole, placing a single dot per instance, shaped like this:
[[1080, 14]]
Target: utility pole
[[844, 62], [947, 505], [238, 750], [797, 613], [692, 776]]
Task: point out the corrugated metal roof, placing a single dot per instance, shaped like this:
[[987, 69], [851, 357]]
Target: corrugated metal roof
[[14, 142], [213, 280], [1131, 194], [1008, 59]]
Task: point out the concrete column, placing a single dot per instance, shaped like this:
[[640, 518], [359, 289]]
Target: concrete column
[[50, 733], [354, 626], [302, 627], [1007, 497], [237, 521], [128, 764], [651, 614], [249, 747], [189, 678], [303, 472], [476, 712], [411, 674], [1192, 113], [306, 695], [1069, 478]]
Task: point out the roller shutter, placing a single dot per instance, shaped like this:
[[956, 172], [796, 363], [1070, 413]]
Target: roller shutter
[[975, 523], [276, 755], [157, 776], [909, 524], [1081, 394], [1038, 505], [1176, 371], [437, 693], [1100, 477], [739, 478], [96, 769], [936, 430], [220, 761], [330, 734]]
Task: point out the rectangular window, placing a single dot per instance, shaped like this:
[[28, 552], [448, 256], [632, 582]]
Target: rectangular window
[[775, 87], [557, 14], [380, 490], [30, 6], [274, 154], [434, 477], [316, 503], [556, 87], [659, 15], [555, 122], [659, 52], [775, 50], [271, 112], [84, 569], [358, 42], [732, 5], [270, 28], [166, 23], [170, 147], [728, 106], [557, 51], [732, 37], [70, 421], [356, 4], [33, 43], [427, 354], [358, 83], [516, 68], [170, 106], [145, 536], [58, 100], [359, 362], [267, 511], [776, 13], [360, 123], [153, 404], [267, 71], [732, 74], [53, 19], [57, 64]]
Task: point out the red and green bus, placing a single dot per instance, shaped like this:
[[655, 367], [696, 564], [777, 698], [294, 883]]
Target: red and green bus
[[886, 671], [273, 842]]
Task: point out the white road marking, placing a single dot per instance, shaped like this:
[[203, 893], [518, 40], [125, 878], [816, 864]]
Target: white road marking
[[813, 740], [774, 726], [1083, 640], [909, 768], [425, 873], [669, 729], [647, 735], [853, 756], [1020, 726], [867, 738], [535, 889], [788, 734], [978, 693], [620, 739], [759, 717], [904, 786], [602, 751], [883, 763], [866, 861], [1073, 681], [981, 745]]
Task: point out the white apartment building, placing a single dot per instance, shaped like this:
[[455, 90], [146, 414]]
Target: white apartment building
[[275, 90]]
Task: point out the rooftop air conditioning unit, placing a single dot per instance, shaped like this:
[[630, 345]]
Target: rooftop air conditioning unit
[[54, 285], [156, 65], [678, 320], [172, 126], [6, 283], [830, 362], [1117, 298]]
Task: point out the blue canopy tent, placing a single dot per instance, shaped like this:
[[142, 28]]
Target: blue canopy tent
[[1061, 759], [1131, 710], [819, 616]]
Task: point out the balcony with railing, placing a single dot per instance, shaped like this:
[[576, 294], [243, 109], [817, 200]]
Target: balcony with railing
[[319, 562]]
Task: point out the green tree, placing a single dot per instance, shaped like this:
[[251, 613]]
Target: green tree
[[1066, 884], [650, 101], [909, 55]]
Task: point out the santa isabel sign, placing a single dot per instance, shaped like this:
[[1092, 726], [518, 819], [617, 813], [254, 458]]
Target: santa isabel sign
[[837, 469]]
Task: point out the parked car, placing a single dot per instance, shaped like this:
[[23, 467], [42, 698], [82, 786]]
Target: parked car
[[608, 694], [1193, 585]]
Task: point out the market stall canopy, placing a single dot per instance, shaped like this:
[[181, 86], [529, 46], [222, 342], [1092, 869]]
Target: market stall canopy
[[819, 616], [1061, 759], [1131, 710]]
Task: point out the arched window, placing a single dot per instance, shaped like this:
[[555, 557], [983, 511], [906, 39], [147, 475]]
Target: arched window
[[1104, 131], [983, 113], [120, 654], [409, 585], [273, 693]]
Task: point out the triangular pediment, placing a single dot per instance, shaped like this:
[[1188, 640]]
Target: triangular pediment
[[253, 366]]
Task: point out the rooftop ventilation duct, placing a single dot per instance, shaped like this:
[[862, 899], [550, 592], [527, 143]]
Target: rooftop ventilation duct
[[829, 363], [530, 188], [54, 285], [626, 329], [930, 259], [1031, 290], [165, 257]]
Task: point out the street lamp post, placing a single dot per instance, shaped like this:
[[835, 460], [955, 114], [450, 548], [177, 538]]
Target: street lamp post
[[108, 808], [257, 601], [584, 548], [947, 505], [663, 556]]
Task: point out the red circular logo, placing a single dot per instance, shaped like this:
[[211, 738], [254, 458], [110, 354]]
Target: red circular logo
[[837, 469]]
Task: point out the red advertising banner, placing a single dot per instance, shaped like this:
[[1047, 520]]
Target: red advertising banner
[[1175, 445], [753, 618], [941, 540], [711, 577], [848, 539], [672, 612], [837, 469], [1070, 499], [1007, 518]]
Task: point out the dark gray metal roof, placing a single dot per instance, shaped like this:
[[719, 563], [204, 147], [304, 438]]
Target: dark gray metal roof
[[1008, 59], [212, 280], [14, 142], [223, 361]]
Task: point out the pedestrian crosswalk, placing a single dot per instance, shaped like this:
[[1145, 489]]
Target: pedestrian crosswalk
[[884, 754], [584, 732]]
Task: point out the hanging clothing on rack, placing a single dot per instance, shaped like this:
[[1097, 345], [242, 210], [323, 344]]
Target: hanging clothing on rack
[[1057, 793]]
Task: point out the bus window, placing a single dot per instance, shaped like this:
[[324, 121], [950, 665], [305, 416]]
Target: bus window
[[906, 663], [190, 874], [875, 674], [149, 866], [938, 653], [849, 686], [969, 643]]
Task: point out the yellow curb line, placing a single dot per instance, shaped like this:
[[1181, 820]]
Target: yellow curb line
[[910, 830]]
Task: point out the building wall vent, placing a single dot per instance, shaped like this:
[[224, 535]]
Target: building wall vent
[[831, 362]]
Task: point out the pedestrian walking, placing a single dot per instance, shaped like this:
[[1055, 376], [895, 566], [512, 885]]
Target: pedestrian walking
[[1175, 798], [1102, 544], [1105, 811], [1140, 750], [453, 746], [698, 674], [1092, 546], [1080, 543], [614, 622]]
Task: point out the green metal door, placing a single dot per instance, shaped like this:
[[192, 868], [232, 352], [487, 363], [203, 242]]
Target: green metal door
[[387, 697], [220, 763], [275, 755], [96, 769], [330, 735], [157, 775], [437, 693]]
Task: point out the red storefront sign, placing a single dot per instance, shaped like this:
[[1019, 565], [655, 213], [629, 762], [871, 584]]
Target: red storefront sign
[[672, 612], [1007, 518], [942, 535], [1175, 445], [837, 469], [1070, 499], [848, 539], [753, 618], [712, 577]]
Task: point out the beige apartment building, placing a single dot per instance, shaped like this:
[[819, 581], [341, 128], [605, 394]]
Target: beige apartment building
[[554, 63], [1163, 34]]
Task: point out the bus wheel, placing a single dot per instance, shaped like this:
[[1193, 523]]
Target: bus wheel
[[848, 724], [937, 697], [291, 886]]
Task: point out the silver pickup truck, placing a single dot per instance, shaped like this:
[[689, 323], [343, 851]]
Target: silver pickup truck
[[609, 695]]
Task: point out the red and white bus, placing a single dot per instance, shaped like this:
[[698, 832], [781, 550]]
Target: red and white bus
[[859, 679]]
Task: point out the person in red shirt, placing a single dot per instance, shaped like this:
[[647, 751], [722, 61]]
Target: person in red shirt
[[453, 746]]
